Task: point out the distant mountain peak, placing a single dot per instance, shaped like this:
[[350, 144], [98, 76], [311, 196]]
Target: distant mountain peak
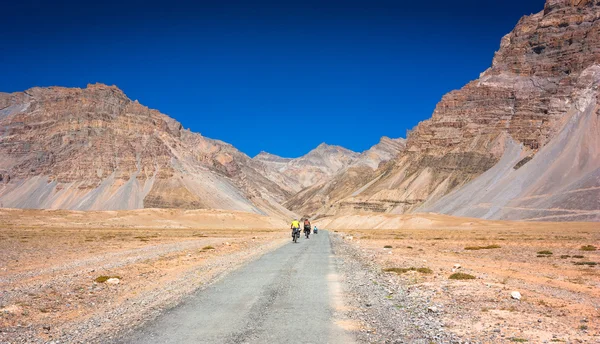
[[267, 157], [324, 147]]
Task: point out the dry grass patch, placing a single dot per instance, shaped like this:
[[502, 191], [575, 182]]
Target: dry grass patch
[[586, 263], [588, 248], [401, 271], [461, 276], [476, 248]]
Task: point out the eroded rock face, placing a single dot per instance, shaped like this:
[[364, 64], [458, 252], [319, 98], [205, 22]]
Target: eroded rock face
[[94, 148], [386, 150], [523, 99]]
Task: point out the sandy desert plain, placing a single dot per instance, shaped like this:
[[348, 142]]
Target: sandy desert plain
[[54, 266]]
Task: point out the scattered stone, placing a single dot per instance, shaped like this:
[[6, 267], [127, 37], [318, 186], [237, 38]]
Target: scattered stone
[[113, 281], [432, 309], [515, 295]]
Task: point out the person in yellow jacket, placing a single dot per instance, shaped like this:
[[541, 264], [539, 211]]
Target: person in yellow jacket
[[295, 226]]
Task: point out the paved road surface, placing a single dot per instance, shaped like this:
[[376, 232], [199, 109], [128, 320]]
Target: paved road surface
[[287, 296]]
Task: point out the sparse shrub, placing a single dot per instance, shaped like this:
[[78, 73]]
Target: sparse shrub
[[519, 340], [476, 248], [103, 278], [578, 257], [387, 246], [206, 248], [586, 263], [461, 276], [565, 256], [410, 247], [545, 252], [583, 327], [588, 248], [400, 271]]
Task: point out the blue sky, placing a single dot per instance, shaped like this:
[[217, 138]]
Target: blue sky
[[279, 76]]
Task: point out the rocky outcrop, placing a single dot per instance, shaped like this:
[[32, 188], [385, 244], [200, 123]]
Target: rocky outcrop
[[386, 150], [537, 82], [94, 148]]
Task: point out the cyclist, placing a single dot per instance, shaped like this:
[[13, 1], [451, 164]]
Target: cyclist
[[295, 227], [306, 228]]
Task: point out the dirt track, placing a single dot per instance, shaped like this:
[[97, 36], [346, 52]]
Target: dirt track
[[287, 296]]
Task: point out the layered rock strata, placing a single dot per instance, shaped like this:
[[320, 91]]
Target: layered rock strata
[[94, 148], [541, 84]]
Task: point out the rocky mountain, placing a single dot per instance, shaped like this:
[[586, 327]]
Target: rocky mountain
[[521, 142], [387, 149], [319, 197], [315, 167], [94, 148]]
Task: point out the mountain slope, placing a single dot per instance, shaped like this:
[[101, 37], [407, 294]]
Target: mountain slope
[[315, 167], [95, 149], [352, 179], [538, 91]]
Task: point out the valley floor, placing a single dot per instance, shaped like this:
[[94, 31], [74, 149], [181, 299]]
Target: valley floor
[[54, 267], [549, 264]]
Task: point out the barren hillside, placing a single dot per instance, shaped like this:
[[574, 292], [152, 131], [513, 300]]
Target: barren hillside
[[95, 149], [521, 142]]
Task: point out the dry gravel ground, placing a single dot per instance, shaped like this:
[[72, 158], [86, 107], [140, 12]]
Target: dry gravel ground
[[560, 298], [50, 260]]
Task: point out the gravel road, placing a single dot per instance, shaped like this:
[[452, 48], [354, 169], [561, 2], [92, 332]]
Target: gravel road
[[286, 296]]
